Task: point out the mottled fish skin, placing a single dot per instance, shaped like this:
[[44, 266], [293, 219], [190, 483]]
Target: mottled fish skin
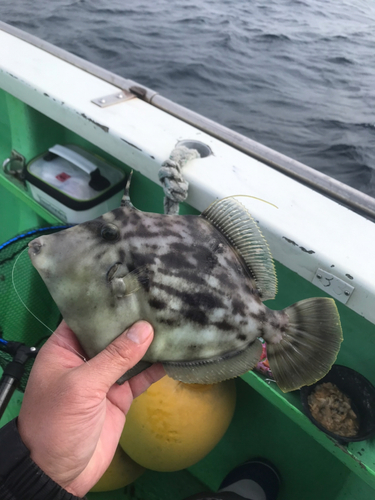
[[200, 281], [195, 289]]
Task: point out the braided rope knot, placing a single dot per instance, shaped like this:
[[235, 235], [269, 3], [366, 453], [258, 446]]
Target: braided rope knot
[[170, 175]]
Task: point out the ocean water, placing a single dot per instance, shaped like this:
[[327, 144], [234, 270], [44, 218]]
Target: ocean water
[[295, 75]]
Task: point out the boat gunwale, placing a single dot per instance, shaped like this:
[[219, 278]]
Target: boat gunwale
[[334, 189]]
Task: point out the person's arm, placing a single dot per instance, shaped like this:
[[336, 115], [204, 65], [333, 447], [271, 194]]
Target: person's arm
[[72, 416], [20, 477]]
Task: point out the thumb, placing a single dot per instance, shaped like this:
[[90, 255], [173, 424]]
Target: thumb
[[120, 355]]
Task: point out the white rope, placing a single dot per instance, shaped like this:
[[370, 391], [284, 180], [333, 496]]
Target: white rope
[[170, 175]]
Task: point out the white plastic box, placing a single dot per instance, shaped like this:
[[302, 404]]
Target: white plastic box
[[73, 184]]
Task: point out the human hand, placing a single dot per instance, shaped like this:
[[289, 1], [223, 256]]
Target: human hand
[[73, 413]]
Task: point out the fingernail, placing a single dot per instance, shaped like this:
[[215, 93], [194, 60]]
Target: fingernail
[[139, 332]]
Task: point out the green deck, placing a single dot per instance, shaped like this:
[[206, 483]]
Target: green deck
[[267, 422]]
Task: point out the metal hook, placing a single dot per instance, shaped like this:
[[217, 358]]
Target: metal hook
[[18, 161]]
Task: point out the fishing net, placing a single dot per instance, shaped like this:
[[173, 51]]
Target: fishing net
[[20, 282]]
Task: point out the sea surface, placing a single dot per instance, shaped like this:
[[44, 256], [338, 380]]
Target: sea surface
[[295, 75]]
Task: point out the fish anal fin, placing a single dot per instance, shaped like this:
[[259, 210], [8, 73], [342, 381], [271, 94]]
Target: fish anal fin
[[309, 345], [235, 223], [216, 369]]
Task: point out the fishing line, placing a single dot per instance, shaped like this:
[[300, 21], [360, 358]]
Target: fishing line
[[242, 196], [38, 319], [248, 196]]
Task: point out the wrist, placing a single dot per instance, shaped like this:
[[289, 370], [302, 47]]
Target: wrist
[[20, 477]]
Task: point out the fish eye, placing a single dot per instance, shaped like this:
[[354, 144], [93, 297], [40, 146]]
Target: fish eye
[[110, 232]]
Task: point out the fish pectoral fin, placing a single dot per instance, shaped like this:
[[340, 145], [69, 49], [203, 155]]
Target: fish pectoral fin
[[217, 369], [131, 282], [138, 368], [234, 222], [308, 346]]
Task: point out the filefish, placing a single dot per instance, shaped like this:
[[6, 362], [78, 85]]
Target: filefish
[[201, 281]]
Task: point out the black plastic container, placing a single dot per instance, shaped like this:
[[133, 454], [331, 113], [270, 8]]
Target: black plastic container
[[361, 393]]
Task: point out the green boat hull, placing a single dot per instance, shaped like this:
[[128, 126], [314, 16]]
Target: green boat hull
[[266, 422]]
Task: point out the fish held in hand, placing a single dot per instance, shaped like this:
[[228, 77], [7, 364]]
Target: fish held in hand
[[199, 280]]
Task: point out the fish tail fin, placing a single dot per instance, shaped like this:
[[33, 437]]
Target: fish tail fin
[[308, 345]]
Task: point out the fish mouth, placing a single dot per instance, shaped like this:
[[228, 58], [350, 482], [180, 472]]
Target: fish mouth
[[34, 248]]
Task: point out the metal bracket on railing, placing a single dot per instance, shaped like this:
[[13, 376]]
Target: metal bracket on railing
[[334, 286], [110, 100], [15, 166]]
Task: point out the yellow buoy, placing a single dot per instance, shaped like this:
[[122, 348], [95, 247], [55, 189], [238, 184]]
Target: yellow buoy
[[121, 472], [173, 425]]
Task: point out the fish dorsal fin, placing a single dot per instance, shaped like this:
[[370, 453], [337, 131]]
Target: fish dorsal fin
[[233, 220], [125, 200]]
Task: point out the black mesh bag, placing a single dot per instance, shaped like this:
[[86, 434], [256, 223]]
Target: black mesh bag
[[24, 297]]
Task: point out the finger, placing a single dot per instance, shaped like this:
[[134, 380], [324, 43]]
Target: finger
[[122, 395], [119, 356], [141, 382]]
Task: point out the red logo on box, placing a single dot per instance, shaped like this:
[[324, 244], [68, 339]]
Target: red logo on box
[[63, 177]]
